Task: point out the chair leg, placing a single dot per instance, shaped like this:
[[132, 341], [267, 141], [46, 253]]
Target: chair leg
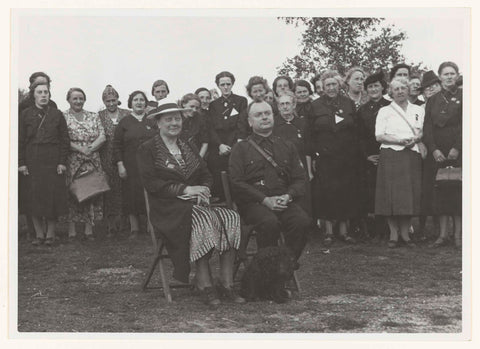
[[165, 284], [281, 242], [156, 260]]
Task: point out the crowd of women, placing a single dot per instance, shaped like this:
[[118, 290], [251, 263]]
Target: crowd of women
[[372, 158]]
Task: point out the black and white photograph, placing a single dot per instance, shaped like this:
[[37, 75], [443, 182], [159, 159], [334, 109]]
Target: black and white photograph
[[266, 173]]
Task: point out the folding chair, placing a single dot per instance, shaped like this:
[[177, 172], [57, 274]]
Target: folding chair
[[160, 255], [247, 233]]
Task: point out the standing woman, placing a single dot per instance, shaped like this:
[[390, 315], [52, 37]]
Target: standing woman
[[332, 157], [86, 137], [376, 87], [317, 85], [132, 130], [205, 97], [443, 138], [257, 88], [194, 128], [223, 116], [43, 150], [354, 84], [282, 84], [399, 129], [112, 199], [160, 91], [303, 93], [415, 90]]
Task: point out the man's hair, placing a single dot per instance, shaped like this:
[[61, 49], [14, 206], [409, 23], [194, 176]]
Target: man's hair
[[254, 102]]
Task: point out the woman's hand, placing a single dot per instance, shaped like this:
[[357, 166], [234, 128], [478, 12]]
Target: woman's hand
[[122, 171], [438, 156], [23, 170], [224, 149], [410, 142], [198, 190], [61, 169], [453, 154], [87, 150], [373, 159]]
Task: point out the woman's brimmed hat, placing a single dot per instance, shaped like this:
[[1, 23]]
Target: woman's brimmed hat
[[428, 79], [165, 108]]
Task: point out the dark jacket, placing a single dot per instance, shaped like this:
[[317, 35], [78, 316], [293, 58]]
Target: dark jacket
[[33, 131], [367, 117], [254, 178], [224, 121], [164, 180], [442, 128]]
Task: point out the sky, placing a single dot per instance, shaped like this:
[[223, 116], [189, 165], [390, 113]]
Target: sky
[[131, 49]]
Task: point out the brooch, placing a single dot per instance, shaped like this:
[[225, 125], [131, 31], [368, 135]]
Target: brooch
[[225, 104], [340, 111], [148, 127]]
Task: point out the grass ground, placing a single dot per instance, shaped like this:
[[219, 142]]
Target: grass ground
[[363, 288]]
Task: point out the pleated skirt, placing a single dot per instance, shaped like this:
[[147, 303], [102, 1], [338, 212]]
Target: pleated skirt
[[213, 228]]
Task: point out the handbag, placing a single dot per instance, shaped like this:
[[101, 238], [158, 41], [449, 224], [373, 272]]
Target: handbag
[[449, 174], [421, 146], [88, 184]]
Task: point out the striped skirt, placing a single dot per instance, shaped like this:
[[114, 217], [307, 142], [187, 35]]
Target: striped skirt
[[213, 228]]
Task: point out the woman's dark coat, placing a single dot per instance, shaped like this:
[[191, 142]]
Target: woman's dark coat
[[164, 180]]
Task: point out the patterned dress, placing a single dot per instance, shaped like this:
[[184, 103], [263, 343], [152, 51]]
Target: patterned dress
[[83, 133], [112, 200]]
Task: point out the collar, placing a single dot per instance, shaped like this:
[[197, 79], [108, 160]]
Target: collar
[[260, 139]]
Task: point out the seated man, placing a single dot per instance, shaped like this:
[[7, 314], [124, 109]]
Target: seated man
[[267, 181]]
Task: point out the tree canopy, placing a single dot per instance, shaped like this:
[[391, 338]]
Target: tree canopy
[[341, 43]]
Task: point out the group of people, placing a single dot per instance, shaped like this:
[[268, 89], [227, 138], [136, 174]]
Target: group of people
[[351, 155]]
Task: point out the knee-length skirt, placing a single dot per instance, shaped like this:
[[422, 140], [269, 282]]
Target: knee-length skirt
[[213, 228], [398, 189]]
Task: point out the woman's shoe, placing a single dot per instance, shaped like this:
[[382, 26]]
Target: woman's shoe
[[49, 241], [37, 242], [410, 243], [392, 244], [89, 237], [327, 242], [210, 296], [347, 239], [439, 243], [229, 294]]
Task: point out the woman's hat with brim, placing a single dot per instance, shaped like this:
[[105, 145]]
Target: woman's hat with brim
[[428, 79], [164, 108]]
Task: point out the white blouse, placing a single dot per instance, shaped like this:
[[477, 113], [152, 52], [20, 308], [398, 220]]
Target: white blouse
[[389, 122]]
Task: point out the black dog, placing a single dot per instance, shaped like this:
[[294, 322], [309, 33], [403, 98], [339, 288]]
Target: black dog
[[266, 275]]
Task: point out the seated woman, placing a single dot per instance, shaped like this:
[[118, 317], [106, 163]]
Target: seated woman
[[178, 184]]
